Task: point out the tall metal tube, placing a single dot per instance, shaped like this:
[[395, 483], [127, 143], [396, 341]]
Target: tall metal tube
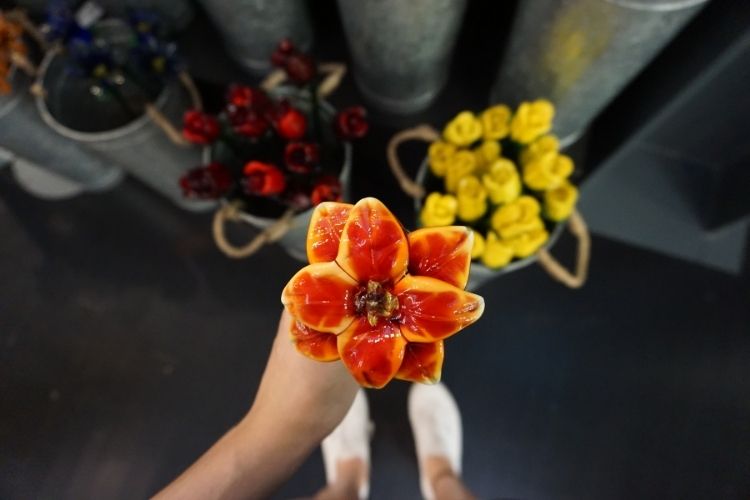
[[252, 29], [580, 54], [401, 49]]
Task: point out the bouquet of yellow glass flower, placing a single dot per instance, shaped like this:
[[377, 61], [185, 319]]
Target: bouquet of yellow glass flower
[[502, 174]]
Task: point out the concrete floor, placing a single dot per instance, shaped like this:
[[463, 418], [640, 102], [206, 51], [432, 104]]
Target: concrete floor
[[129, 344]]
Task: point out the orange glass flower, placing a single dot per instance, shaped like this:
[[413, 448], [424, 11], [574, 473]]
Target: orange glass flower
[[379, 299]]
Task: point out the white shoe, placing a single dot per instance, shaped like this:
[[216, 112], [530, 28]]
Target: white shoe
[[351, 439], [436, 425]]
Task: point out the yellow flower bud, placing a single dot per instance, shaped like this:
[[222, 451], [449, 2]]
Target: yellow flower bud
[[502, 181], [559, 202], [545, 144], [547, 171], [496, 254], [528, 243], [439, 155], [477, 249], [516, 217], [462, 163], [531, 120], [464, 129], [486, 153], [472, 199], [439, 210], [496, 122]]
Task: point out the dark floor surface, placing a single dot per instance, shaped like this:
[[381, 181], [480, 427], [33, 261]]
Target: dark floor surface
[[129, 345]]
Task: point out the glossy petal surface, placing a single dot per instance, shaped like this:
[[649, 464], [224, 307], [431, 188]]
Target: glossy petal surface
[[373, 244], [373, 354], [315, 345], [322, 297], [324, 232], [443, 253], [433, 310], [423, 363]]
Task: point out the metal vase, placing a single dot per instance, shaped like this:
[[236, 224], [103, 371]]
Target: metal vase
[[24, 135], [580, 54], [401, 50], [140, 147], [252, 29]]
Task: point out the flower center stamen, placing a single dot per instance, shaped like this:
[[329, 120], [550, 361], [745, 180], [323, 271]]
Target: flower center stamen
[[376, 302]]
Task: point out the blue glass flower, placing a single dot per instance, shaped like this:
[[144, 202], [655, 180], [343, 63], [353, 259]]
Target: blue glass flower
[[61, 24], [158, 57]]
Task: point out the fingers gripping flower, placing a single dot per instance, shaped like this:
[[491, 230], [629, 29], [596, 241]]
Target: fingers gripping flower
[[380, 300]]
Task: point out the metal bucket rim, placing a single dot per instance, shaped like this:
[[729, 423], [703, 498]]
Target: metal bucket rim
[[667, 6], [109, 135], [478, 266]]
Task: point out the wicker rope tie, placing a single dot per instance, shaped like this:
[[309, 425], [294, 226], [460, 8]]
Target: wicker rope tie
[[423, 133], [271, 234]]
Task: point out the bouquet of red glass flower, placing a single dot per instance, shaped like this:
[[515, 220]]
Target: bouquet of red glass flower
[[275, 149]]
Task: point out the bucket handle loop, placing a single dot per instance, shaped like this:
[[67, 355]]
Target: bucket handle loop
[[423, 132], [271, 234]]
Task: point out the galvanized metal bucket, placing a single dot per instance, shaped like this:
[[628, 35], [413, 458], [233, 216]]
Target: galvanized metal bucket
[[401, 49], [481, 274], [24, 136], [580, 54], [252, 29], [290, 231], [140, 147]]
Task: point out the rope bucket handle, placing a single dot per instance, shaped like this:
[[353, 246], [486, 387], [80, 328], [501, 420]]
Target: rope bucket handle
[[232, 212], [576, 225], [334, 73]]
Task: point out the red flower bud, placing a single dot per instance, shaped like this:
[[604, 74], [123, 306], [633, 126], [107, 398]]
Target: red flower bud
[[290, 123], [263, 179], [300, 68], [199, 127], [301, 157], [208, 182], [282, 52], [328, 188], [351, 123], [247, 122], [242, 96]]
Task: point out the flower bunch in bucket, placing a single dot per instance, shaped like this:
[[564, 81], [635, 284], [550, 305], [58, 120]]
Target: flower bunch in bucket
[[501, 173], [273, 149], [120, 66]]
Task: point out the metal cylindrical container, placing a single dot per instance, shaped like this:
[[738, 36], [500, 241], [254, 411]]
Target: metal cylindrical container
[[401, 50], [580, 54], [24, 135], [252, 29], [139, 147]]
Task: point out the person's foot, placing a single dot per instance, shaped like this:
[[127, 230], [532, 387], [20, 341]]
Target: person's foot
[[436, 425], [346, 451]]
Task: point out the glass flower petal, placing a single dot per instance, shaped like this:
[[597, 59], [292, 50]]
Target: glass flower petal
[[324, 233], [373, 354], [319, 346], [423, 363], [443, 253], [373, 244], [433, 310], [321, 296]]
